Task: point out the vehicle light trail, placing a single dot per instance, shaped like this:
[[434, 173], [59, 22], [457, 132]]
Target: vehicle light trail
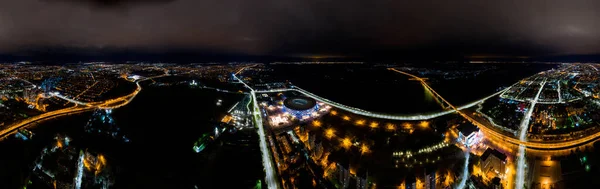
[[560, 100], [521, 161], [79, 173], [465, 174], [358, 111], [56, 94], [489, 130], [266, 154], [87, 106]]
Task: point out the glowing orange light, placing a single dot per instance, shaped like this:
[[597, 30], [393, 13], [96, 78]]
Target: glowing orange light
[[333, 112], [360, 122], [424, 124], [87, 164], [346, 118], [329, 133], [102, 160], [316, 123], [374, 125], [346, 143]]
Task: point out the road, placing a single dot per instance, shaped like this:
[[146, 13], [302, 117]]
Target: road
[[270, 173], [521, 160], [490, 131], [79, 108], [366, 113]]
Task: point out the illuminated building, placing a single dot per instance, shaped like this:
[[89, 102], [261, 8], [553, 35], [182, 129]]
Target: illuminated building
[[430, 179], [468, 134], [30, 94], [278, 120], [493, 163], [343, 174], [300, 106]]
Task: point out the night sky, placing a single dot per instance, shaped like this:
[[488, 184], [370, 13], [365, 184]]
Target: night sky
[[303, 28]]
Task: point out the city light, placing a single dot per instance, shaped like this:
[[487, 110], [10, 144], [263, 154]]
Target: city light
[[360, 122], [279, 119], [346, 118], [316, 123], [346, 143], [390, 127], [374, 125], [266, 155], [521, 161], [380, 115], [329, 133], [407, 151], [364, 149]]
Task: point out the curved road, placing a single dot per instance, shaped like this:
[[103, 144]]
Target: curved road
[[79, 108], [489, 130], [362, 112]]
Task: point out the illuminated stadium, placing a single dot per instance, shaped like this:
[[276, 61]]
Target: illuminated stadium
[[300, 106]]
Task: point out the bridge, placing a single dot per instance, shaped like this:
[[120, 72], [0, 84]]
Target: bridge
[[58, 95], [42, 117], [487, 129], [490, 131], [413, 117]]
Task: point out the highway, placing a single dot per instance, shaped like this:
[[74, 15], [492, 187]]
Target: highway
[[79, 108], [366, 113], [521, 160], [487, 128], [490, 131], [270, 173], [13, 128]]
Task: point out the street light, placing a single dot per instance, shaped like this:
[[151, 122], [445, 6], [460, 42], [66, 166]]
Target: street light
[[374, 125], [316, 123], [329, 133], [346, 143]]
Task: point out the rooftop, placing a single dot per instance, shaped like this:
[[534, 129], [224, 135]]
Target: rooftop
[[493, 152], [467, 128]]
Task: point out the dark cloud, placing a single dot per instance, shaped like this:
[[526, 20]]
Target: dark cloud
[[305, 27], [110, 3]]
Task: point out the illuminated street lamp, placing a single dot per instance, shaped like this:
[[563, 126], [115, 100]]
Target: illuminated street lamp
[[333, 112], [346, 143], [360, 122], [390, 127], [329, 133], [364, 149], [374, 125], [346, 118]]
